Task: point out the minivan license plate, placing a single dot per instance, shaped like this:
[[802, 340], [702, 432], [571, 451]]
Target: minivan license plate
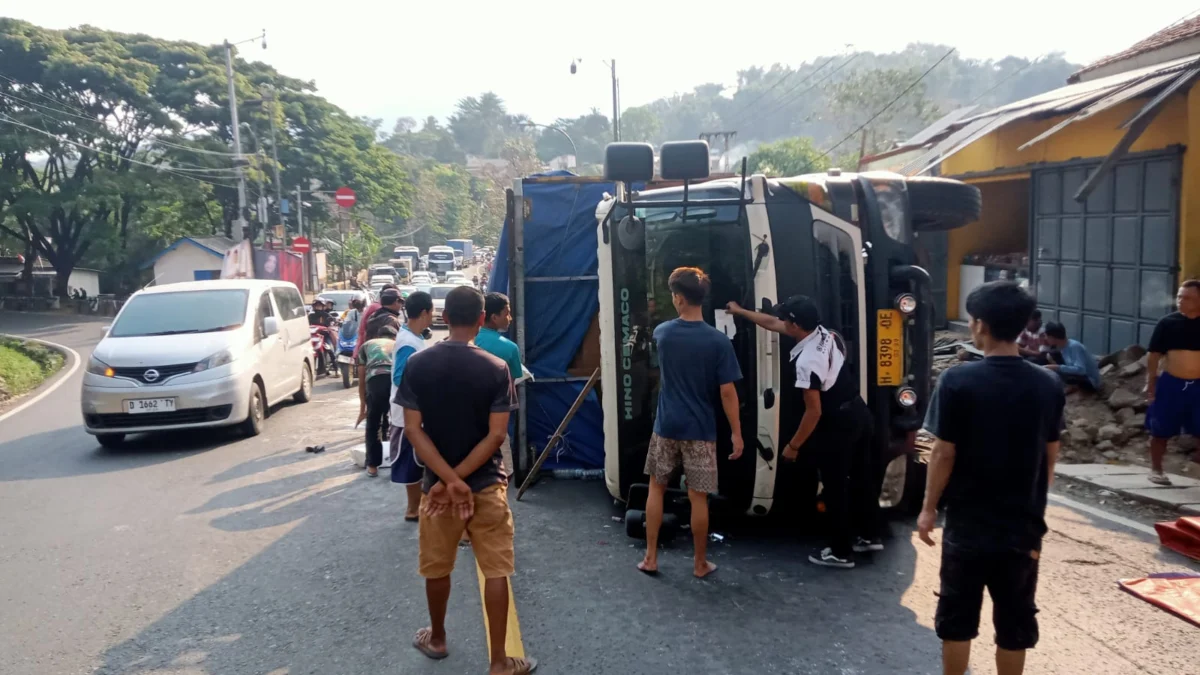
[[149, 405], [889, 348]]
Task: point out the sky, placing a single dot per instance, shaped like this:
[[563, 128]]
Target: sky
[[403, 58]]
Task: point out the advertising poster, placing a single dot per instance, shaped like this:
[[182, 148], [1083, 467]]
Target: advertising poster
[[279, 265], [238, 262]]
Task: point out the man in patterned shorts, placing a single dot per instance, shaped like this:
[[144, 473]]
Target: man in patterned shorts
[[695, 360]]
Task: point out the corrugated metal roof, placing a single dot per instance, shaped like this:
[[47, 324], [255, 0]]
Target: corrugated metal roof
[[1095, 95], [1178, 32], [927, 134]]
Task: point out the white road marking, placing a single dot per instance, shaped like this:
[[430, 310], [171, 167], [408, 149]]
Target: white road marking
[[75, 362], [1100, 513]]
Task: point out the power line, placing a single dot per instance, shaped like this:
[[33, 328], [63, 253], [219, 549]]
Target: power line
[[882, 110], [157, 167], [1010, 76], [742, 111], [108, 134], [785, 102]]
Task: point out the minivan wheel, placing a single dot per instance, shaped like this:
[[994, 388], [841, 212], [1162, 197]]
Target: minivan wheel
[[258, 411], [304, 394], [110, 441]]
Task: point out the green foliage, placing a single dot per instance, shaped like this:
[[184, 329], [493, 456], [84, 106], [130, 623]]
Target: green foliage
[[24, 365], [788, 157], [114, 144]]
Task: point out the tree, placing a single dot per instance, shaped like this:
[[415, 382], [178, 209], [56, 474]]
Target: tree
[[641, 124], [884, 105], [479, 125], [789, 157], [98, 123]]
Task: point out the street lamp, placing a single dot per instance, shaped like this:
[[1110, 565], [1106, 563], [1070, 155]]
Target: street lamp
[[612, 67], [567, 136]]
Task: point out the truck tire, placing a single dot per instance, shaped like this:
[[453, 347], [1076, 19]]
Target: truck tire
[[915, 472], [940, 204], [635, 524]]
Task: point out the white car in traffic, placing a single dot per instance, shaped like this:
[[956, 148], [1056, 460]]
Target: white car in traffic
[[198, 354]]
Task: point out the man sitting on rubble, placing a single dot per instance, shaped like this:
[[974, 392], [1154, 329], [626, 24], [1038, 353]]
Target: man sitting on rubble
[[1073, 362]]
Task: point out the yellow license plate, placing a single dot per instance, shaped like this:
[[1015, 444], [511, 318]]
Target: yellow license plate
[[889, 348]]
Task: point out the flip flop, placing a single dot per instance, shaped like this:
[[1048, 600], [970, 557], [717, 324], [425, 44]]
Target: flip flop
[[317, 449], [373, 475], [421, 644], [522, 666], [411, 519], [643, 570]]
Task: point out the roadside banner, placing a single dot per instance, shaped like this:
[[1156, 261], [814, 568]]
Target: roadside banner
[[238, 262]]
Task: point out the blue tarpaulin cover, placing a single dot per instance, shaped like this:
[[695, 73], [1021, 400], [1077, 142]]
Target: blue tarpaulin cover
[[560, 241]]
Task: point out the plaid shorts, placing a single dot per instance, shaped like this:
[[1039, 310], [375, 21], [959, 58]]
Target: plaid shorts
[[698, 458]]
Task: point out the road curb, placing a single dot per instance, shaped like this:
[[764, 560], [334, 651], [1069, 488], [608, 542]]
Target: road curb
[[72, 362], [1132, 482]]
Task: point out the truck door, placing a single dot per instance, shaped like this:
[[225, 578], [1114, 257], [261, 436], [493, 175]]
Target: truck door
[[716, 240]]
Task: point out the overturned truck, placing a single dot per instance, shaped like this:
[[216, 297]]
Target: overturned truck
[[846, 240]]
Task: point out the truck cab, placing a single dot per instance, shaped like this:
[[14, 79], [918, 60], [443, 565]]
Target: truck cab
[[843, 239]]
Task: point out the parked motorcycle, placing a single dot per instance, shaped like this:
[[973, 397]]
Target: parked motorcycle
[[345, 359], [323, 340]]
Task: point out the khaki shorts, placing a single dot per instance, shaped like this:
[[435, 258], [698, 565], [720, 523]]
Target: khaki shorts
[[491, 530], [698, 458]]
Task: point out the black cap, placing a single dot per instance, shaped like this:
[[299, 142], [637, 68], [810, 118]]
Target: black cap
[[389, 296], [800, 310]]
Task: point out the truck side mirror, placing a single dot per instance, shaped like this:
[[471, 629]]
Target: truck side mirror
[[629, 162], [684, 160]]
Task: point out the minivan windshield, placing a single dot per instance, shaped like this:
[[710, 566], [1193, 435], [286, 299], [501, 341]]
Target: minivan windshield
[[182, 312]]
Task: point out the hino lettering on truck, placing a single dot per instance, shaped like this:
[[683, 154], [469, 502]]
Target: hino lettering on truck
[[626, 356]]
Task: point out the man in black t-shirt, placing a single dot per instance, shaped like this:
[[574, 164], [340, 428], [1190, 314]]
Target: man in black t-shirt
[[997, 424], [1174, 395], [456, 399]]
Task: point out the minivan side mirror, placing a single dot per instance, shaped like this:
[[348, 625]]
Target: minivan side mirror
[[270, 326]]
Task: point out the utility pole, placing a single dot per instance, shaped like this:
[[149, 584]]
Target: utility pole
[[616, 103], [238, 160], [269, 95], [726, 137]]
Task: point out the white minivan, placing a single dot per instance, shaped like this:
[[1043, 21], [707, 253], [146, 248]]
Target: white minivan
[[198, 354]]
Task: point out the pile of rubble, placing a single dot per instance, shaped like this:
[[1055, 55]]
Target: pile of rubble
[[1105, 426]]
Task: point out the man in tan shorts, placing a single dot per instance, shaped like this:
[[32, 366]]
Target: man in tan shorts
[[695, 361], [456, 399]]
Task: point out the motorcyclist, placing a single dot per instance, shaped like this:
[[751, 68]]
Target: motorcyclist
[[484, 282], [320, 316], [475, 281]]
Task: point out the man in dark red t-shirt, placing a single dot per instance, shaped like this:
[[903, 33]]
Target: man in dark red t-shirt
[[366, 315]]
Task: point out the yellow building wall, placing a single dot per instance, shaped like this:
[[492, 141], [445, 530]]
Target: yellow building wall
[[1004, 228], [1002, 225]]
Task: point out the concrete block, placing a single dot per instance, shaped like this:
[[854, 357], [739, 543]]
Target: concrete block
[[1170, 497], [1134, 481], [1085, 470]]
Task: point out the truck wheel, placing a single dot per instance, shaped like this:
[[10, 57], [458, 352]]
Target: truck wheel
[[345, 375], [635, 523], [940, 204]]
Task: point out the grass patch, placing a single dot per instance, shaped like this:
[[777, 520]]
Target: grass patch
[[25, 365]]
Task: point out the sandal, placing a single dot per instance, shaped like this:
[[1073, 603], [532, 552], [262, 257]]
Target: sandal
[[1159, 478], [521, 666], [421, 643], [372, 472]]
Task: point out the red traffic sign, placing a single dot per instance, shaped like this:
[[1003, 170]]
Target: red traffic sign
[[301, 245], [345, 197]]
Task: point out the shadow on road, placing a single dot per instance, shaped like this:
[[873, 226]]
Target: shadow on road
[[70, 451], [338, 593]]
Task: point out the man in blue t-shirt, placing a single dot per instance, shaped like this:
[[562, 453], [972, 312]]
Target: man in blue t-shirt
[[694, 360], [497, 318]]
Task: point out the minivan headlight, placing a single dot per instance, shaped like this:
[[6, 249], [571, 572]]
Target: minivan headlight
[[97, 367], [221, 358]]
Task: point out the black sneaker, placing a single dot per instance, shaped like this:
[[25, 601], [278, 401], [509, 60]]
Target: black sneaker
[[826, 558], [864, 545]]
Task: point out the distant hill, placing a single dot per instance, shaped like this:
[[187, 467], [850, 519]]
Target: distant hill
[[833, 96]]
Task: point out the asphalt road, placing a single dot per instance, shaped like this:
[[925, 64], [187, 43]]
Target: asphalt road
[[212, 554]]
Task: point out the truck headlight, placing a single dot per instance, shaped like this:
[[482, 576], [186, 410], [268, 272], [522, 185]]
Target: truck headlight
[[97, 367], [221, 358], [906, 303], [906, 397]]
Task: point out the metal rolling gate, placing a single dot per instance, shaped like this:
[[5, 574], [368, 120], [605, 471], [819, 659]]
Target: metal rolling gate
[[1106, 268]]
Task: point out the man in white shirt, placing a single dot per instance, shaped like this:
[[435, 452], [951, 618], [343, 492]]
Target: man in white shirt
[[409, 341]]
